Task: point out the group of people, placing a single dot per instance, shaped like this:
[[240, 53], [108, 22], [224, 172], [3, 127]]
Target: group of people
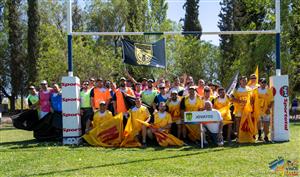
[[244, 115]]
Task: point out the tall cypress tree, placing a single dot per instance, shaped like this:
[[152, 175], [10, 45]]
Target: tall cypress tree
[[226, 41], [33, 40], [191, 21], [15, 53]]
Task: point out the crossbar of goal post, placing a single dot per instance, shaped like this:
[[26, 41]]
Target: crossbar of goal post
[[73, 82]]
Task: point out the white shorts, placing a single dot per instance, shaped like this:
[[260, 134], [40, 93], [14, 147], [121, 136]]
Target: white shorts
[[265, 118], [178, 122]]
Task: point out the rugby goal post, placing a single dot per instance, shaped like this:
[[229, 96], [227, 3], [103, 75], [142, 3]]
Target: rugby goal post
[[71, 84]]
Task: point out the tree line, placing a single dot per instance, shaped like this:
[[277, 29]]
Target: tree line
[[33, 41]]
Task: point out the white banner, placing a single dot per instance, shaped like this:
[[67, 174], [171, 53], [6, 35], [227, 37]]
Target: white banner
[[280, 121], [71, 110], [201, 116]]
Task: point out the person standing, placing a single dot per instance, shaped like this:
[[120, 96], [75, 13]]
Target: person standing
[[222, 103], [33, 98], [86, 110], [191, 102], [56, 99], [149, 94], [263, 102], [161, 97], [245, 125], [294, 108], [99, 93], [173, 105], [44, 99], [200, 89], [118, 100]]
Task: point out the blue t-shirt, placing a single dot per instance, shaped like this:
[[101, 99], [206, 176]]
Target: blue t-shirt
[[56, 102]]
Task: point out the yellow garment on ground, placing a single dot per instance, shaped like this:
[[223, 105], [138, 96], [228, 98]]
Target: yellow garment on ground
[[194, 130], [133, 127], [162, 122], [224, 108], [98, 119], [248, 124], [174, 109], [163, 137], [108, 133]]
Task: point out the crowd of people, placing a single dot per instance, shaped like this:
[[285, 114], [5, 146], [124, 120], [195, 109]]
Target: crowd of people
[[244, 116]]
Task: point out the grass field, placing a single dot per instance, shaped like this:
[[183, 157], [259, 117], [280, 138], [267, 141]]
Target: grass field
[[21, 155]]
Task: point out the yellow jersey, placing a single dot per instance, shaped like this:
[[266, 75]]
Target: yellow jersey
[[244, 94], [99, 117], [174, 109], [262, 99], [223, 105], [161, 120], [193, 105]]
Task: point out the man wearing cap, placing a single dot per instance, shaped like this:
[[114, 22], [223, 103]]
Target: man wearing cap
[[99, 117], [161, 97], [253, 82], [149, 94], [242, 99], [207, 96], [118, 98], [263, 102], [92, 83], [33, 98], [44, 99], [191, 102], [99, 93], [86, 110], [173, 105], [222, 103]]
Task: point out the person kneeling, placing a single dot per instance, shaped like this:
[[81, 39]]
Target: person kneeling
[[162, 122], [214, 130]]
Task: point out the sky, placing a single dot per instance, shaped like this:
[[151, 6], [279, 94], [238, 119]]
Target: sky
[[208, 16]]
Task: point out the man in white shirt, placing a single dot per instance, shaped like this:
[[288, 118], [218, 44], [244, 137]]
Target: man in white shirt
[[214, 129]]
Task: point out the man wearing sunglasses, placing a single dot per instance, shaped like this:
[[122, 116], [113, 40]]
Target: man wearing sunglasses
[[86, 110]]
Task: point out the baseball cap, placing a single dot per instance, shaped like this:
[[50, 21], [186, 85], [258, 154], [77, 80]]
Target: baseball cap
[[150, 80], [44, 82], [174, 91], [123, 78], [102, 102]]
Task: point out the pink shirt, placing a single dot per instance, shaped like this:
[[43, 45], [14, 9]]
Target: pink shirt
[[45, 100]]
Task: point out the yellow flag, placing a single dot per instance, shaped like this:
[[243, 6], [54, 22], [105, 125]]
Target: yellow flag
[[107, 134], [164, 138]]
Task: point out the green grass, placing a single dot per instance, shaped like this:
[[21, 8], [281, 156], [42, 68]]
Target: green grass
[[21, 155]]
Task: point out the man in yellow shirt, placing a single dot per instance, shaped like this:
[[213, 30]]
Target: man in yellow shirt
[[162, 119], [190, 103], [222, 103], [263, 102], [99, 117], [173, 105], [133, 127]]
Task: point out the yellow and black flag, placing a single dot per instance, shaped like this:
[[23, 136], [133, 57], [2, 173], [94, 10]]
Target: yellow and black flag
[[144, 54]]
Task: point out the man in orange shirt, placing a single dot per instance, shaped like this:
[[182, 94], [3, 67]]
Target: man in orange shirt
[[118, 98], [98, 94], [200, 89]]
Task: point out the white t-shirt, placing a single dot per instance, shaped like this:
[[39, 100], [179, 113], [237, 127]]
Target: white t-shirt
[[214, 127], [262, 91]]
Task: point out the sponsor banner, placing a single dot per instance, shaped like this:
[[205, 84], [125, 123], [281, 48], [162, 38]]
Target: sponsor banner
[[201, 117], [71, 109], [71, 140], [280, 121]]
